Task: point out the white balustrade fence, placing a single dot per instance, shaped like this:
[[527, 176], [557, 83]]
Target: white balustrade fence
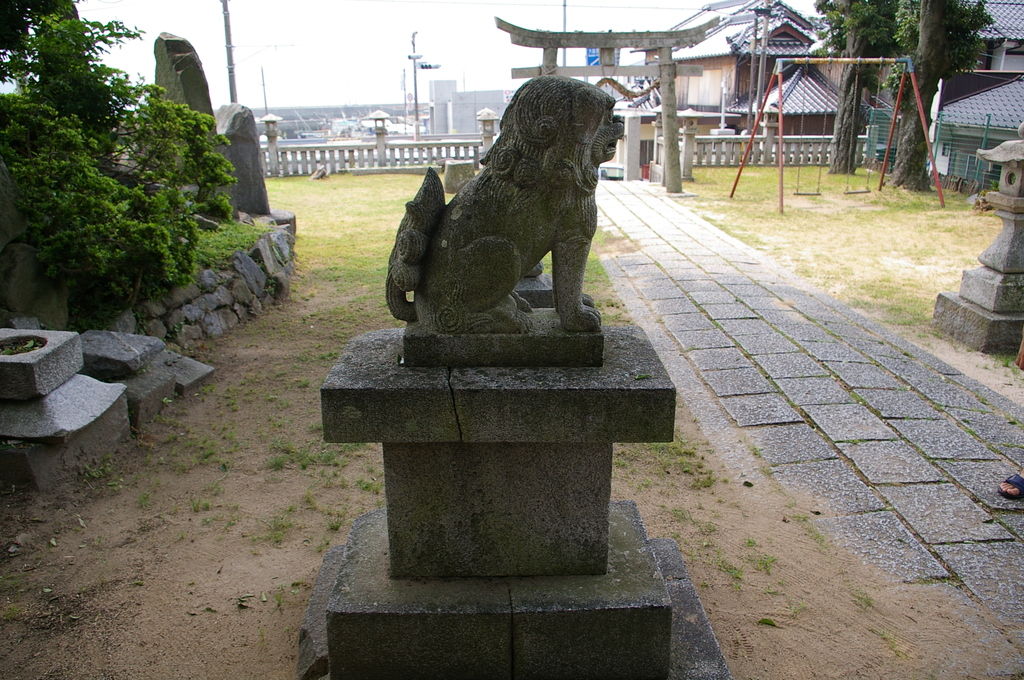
[[346, 156]]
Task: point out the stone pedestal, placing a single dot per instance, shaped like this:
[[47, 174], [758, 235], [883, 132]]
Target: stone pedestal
[[498, 555], [988, 314]]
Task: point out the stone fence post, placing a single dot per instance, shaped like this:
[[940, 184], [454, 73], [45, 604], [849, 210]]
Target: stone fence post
[[270, 122]]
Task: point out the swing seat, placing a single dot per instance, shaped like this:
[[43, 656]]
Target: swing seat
[[807, 193], [858, 191]]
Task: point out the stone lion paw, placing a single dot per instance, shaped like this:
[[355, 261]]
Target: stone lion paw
[[583, 319]]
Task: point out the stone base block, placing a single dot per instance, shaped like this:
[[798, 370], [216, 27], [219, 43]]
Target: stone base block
[[618, 626], [370, 397], [39, 372], [992, 290], [537, 290], [53, 419], [146, 393], [976, 327], [45, 467], [546, 345], [188, 373], [497, 509]]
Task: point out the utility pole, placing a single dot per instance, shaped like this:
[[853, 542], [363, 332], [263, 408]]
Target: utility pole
[[263, 79], [415, 88], [233, 92], [764, 12], [564, 29]]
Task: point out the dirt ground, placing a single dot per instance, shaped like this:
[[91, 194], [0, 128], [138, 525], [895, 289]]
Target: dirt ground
[[191, 551]]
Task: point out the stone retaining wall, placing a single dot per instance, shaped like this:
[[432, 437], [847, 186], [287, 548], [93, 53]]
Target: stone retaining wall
[[217, 301]]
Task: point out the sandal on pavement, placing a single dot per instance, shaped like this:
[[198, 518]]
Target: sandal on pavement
[[1015, 481]]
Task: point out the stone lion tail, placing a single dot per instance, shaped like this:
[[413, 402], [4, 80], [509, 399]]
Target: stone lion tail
[[422, 216]]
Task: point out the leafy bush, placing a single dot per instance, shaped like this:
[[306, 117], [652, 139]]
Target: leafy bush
[[110, 173]]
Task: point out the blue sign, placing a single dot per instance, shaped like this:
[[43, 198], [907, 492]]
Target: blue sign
[[593, 56]]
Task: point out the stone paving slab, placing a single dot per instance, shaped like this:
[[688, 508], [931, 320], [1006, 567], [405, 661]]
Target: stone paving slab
[[804, 331], [790, 444], [702, 339], [882, 540], [891, 462], [1016, 455], [770, 343], [993, 572], [941, 513], [1014, 521], [762, 409], [898, 404], [662, 291], [982, 479], [858, 375], [735, 382], [702, 284], [791, 366], [730, 311], [712, 297], [676, 305], [849, 422], [945, 394], [719, 359], [943, 439], [741, 327], [991, 427], [687, 322], [744, 289], [833, 481], [834, 351], [812, 391]]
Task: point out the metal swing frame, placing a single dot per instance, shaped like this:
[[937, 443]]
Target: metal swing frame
[[780, 65]]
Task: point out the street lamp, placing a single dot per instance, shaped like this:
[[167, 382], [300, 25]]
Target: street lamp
[[415, 84]]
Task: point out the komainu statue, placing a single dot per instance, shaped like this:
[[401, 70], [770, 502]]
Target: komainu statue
[[461, 262]]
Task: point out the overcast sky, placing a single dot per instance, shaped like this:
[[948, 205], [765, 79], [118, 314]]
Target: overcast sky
[[323, 52]]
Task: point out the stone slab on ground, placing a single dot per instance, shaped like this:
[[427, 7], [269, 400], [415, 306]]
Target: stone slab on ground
[[37, 373], [718, 359], [673, 306], [991, 427], [146, 393], [941, 513], [573, 627], [949, 395], [737, 381], [834, 352], [46, 467], [110, 355], [1014, 521], [813, 391], [849, 422], [709, 339], [831, 480], [880, 539], [943, 439], [189, 374], [760, 409], [898, 404], [790, 444], [696, 654], [613, 626], [891, 462], [458, 510], [537, 290], [688, 322], [380, 628], [772, 343], [791, 365], [60, 414], [992, 571], [982, 479], [546, 345], [858, 375]]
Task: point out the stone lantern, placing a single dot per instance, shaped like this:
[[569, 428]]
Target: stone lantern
[[988, 314], [270, 122], [380, 129], [689, 117], [487, 119]]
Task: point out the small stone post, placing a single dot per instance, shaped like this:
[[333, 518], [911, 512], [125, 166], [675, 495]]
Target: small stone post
[[689, 143], [487, 118], [988, 314], [771, 126], [657, 164], [630, 145], [380, 119], [270, 122]]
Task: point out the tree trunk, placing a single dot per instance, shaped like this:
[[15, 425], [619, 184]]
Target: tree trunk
[[843, 160], [931, 61]]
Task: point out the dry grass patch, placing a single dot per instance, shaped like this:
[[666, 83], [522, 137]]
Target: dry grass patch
[[886, 253]]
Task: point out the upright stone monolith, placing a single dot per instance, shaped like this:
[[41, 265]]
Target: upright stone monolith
[[237, 123], [12, 222], [179, 71]]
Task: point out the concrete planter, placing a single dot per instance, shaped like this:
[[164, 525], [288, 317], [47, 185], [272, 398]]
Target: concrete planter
[[40, 371]]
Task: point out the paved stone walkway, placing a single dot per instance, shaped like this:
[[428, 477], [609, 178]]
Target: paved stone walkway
[[905, 449]]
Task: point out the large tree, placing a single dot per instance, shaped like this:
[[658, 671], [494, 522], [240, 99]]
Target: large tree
[[943, 37], [855, 28]]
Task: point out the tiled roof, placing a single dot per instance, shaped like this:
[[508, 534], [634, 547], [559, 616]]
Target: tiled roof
[[805, 91], [734, 34], [1007, 20], [1004, 102]]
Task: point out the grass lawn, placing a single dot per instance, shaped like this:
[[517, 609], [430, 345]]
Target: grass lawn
[[887, 253]]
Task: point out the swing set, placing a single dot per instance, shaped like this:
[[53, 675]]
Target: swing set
[[907, 67]]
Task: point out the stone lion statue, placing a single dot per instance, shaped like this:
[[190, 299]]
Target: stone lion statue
[[535, 195]]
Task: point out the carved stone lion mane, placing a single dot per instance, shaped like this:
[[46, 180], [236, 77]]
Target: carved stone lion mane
[[535, 195]]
